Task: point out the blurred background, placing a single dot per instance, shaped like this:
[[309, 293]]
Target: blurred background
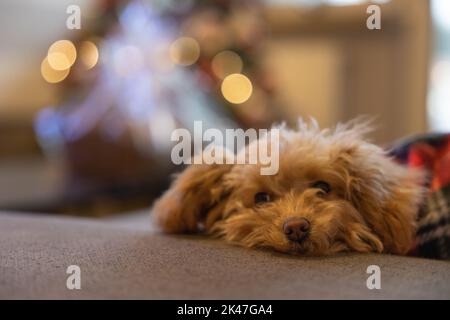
[[86, 114]]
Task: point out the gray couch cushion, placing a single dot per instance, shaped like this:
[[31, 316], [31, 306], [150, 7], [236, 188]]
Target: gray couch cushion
[[126, 258]]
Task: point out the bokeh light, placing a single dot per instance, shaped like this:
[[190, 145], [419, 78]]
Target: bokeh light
[[88, 54], [62, 55], [51, 75], [58, 61], [236, 88], [225, 63], [184, 51]]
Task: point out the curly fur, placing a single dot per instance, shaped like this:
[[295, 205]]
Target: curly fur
[[371, 208]]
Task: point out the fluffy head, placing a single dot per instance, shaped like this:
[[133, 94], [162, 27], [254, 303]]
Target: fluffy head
[[352, 196]]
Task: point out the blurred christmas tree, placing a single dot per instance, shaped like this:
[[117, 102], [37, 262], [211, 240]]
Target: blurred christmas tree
[[144, 69]]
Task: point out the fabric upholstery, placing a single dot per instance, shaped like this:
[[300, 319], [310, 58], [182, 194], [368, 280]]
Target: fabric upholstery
[[125, 258]]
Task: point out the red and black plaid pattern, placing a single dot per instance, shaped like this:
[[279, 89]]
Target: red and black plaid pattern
[[431, 152]]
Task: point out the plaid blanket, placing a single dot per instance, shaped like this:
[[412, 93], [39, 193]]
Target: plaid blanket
[[431, 152]]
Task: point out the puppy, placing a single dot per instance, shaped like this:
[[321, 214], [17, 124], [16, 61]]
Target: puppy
[[334, 192]]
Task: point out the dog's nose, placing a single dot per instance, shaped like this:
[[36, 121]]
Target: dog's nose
[[296, 229]]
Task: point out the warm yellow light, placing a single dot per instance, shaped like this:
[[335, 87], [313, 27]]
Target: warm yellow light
[[184, 51], [62, 55], [225, 63], [58, 61], [51, 75], [88, 54], [236, 88]]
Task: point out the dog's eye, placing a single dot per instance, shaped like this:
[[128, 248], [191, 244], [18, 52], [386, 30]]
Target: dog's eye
[[262, 197], [322, 185]]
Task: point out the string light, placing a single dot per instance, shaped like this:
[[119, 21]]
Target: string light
[[88, 54], [62, 55], [236, 88], [225, 63], [51, 75], [185, 51]]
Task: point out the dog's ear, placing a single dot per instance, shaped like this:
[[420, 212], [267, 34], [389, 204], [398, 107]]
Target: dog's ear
[[404, 195], [386, 194], [194, 201]]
